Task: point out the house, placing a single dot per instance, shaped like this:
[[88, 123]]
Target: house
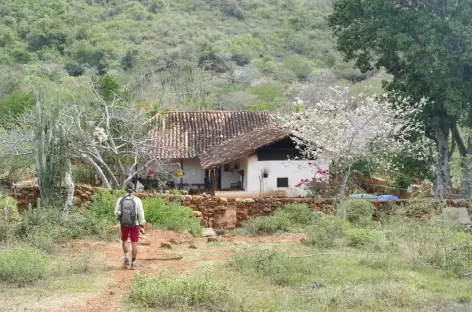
[[230, 150]]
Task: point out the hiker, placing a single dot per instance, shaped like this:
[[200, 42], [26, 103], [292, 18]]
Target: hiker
[[130, 212]]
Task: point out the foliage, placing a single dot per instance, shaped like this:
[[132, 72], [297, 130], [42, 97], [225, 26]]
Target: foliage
[[22, 265], [171, 216], [399, 183], [166, 291], [415, 44], [296, 214], [266, 225], [8, 208], [357, 211], [358, 236], [46, 228], [325, 230], [278, 267], [350, 129], [104, 203]]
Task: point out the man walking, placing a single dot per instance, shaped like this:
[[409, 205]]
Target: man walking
[[130, 212]]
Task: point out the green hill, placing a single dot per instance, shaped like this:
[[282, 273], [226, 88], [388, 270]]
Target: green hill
[[192, 54]]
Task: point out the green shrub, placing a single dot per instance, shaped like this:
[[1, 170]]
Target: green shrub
[[280, 268], [267, 225], [420, 207], [171, 216], [103, 204], [8, 215], [358, 236], [458, 255], [299, 65], [358, 211], [47, 227], [8, 208], [325, 230], [169, 292], [22, 265], [296, 214]]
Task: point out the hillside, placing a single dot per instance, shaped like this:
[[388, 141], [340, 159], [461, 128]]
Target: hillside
[[192, 54]]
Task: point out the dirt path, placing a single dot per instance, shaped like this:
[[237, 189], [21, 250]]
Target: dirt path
[[113, 296]]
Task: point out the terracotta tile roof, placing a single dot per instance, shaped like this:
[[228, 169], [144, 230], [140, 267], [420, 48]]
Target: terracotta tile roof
[[242, 146], [189, 134]]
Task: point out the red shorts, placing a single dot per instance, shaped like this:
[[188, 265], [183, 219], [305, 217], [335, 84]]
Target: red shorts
[[130, 231]]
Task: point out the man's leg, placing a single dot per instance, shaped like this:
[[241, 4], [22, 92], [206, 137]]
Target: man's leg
[[134, 246], [124, 244]]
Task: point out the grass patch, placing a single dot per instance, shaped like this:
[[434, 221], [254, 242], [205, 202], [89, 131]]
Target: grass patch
[[171, 216], [279, 268], [23, 265], [167, 292]]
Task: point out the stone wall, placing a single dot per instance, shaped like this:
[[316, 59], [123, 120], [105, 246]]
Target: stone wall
[[212, 210]]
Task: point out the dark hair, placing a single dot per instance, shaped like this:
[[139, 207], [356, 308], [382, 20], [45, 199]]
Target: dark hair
[[129, 187]]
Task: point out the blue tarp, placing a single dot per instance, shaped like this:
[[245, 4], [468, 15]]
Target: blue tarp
[[370, 196]]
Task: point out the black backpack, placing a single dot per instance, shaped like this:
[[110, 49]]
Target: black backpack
[[128, 211]]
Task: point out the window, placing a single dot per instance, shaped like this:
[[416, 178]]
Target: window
[[226, 168], [282, 182]]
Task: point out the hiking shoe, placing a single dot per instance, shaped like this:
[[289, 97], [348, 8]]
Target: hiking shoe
[[126, 262], [133, 265]]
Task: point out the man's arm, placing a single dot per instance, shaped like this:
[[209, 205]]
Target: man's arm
[[140, 210], [118, 208]]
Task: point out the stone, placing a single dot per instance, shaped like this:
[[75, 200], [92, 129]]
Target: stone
[[219, 231], [208, 232], [197, 200], [211, 203], [223, 200], [212, 239], [221, 208], [458, 214], [166, 245], [174, 241], [192, 246], [197, 214]]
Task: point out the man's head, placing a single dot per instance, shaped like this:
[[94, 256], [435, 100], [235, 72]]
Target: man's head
[[129, 187]]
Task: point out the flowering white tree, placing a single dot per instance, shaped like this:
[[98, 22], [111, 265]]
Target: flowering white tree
[[345, 129]]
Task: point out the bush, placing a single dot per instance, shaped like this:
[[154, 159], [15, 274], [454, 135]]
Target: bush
[[169, 292], [22, 265], [421, 207], [358, 211], [103, 204], [278, 267], [358, 236], [8, 213], [325, 230], [267, 225], [171, 216], [296, 214], [47, 227]]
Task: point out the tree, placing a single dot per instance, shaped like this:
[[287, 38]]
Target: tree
[[108, 135], [424, 46], [345, 131]]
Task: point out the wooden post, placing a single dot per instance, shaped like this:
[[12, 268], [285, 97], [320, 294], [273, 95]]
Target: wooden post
[[213, 182], [181, 174]]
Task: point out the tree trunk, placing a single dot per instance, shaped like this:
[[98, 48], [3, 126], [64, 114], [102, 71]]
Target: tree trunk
[[102, 176], [442, 169], [70, 187], [466, 154]]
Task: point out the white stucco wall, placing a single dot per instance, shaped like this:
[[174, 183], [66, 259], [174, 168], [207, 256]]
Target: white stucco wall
[[295, 171]]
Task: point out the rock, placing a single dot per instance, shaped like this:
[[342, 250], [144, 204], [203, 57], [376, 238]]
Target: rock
[[174, 241], [223, 200], [219, 232], [208, 232], [197, 214], [192, 246], [212, 240], [197, 200], [458, 214], [166, 245]]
